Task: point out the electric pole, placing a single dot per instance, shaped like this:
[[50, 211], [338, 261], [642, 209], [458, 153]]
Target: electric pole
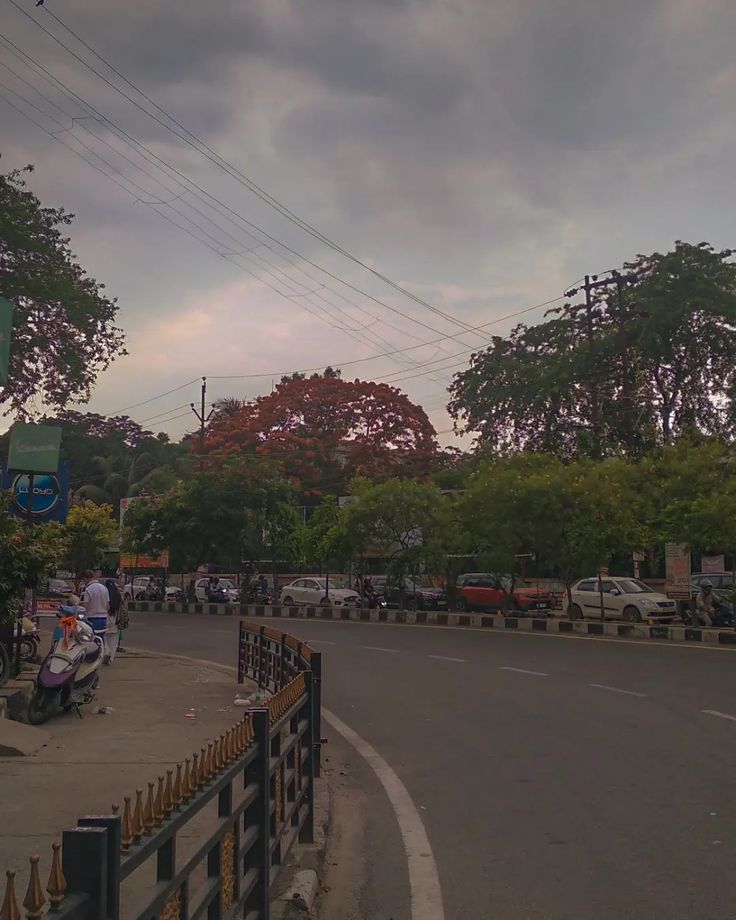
[[203, 417], [593, 283]]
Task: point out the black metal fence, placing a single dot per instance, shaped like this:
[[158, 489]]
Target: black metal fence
[[208, 838]]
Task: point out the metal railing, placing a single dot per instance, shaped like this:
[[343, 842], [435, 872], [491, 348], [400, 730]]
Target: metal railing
[[206, 839]]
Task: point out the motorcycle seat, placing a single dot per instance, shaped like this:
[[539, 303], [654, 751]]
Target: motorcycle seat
[[92, 653]]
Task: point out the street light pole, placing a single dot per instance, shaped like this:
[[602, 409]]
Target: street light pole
[[203, 417]]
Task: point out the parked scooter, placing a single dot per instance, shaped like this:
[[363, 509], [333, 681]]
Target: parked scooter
[[30, 639], [69, 674]]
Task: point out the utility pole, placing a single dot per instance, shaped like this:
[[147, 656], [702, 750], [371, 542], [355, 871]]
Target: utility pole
[[592, 283], [203, 417]]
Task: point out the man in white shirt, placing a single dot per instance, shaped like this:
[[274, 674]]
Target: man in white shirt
[[96, 600]]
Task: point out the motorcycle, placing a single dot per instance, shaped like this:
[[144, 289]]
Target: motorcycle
[[723, 616], [30, 639], [69, 673]]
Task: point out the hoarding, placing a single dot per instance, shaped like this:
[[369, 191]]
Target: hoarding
[[139, 561], [50, 494], [34, 448], [677, 569]]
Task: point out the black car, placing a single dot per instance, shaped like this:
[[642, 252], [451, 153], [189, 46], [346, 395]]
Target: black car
[[419, 593]]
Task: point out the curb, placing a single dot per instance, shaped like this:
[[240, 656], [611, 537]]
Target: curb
[[541, 625]]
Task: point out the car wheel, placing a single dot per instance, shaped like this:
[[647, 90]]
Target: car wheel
[[325, 602], [575, 612], [412, 604], [465, 606], [288, 601], [632, 615], [140, 596]]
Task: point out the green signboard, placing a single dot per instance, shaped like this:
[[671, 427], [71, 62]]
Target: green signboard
[[34, 448], [6, 329]]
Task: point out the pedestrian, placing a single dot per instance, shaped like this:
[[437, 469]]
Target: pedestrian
[[96, 600], [117, 618]]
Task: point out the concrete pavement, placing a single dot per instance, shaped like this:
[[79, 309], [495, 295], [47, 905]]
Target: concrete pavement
[[88, 764], [557, 778]]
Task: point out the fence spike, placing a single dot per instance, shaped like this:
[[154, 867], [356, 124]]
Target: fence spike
[[115, 809], [34, 899], [10, 910], [138, 815], [229, 746], [203, 766], [149, 812], [56, 885], [168, 793], [177, 790], [158, 802], [194, 775], [126, 831], [209, 761], [186, 786]]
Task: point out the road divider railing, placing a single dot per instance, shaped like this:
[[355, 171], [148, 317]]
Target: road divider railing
[[235, 807], [522, 623]]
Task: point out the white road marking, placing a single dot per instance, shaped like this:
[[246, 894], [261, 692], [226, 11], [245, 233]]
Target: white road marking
[[377, 648], [446, 658], [319, 642], [618, 690], [424, 883], [721, 715], [524, 671]]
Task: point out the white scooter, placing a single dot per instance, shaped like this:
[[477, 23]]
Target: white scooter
[[69, 674]]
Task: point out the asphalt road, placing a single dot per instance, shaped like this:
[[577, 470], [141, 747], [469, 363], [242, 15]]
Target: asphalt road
[[557, 778]]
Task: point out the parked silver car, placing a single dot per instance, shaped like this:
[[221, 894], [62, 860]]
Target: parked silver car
[[626, 599]]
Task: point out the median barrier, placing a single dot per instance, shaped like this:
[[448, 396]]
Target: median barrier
[[548, 625]]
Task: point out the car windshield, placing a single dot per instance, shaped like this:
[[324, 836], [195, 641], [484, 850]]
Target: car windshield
[[335, 583], [634, 586]]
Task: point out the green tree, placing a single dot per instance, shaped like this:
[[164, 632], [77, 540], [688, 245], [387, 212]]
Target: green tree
[[90, 531], [404, 521], [64, 330], [661, 365], [29, 554], [571, 517], [243, 509]]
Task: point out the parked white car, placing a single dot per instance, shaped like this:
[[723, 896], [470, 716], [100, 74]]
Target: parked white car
[[623, 599], [202, 586], [136, 589], [317, 592]]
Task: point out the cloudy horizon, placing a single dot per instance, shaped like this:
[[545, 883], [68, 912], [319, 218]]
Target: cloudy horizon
[[483, 155]]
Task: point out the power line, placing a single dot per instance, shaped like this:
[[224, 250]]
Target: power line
[[24, 57], [220, 161]]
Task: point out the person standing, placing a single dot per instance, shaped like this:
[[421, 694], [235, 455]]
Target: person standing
[[118, 616], [96, 601]]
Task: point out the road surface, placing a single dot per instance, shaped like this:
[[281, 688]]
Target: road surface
[[556, 778]]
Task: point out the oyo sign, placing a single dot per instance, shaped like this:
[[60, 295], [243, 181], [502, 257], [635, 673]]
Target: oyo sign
[[46, 493]]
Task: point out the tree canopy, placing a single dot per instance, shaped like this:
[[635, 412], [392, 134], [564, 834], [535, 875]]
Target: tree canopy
[[653, 361], [324, 430], [243, 510], [64, 330]]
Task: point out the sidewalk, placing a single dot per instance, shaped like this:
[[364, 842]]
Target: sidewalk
[[88, 764]]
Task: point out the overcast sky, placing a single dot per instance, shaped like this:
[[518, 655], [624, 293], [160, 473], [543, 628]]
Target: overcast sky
[[483, 154]]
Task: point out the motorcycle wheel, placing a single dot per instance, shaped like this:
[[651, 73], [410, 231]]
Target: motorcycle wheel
[[28, 648], [42, 706]]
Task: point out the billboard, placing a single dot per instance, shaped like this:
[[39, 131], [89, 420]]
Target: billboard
[[713, 564], [139, 561], [677, 569], [34, 448], [50, 494]]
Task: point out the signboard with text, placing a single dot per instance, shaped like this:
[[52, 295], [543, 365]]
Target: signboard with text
[[50, 494], [34, 448], [713, 564], [139, 561], [677, 569]]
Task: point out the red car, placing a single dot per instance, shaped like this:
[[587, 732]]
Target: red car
[[485, 591]]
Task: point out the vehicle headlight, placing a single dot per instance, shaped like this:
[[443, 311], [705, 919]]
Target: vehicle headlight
[[647, 602], [337, 603]]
